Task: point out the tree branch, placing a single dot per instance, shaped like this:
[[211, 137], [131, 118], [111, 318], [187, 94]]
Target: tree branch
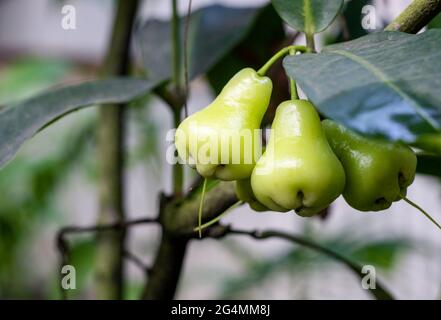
[[166, 270], [178, 171], [110, 247], [178, 217], [138, 262], [416, 16], [104, 227], [379, 293]]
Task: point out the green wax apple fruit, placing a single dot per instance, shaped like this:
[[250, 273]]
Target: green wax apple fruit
[[377, 172], [223, 140], [298, 170], [245, 193]]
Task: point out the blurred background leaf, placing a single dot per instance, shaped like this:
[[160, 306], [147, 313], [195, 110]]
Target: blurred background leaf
[[210, 38], [26, 77]]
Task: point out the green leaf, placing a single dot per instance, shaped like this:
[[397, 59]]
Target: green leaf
[[213, 32], [309, 16], [21, 121], [383, 84]]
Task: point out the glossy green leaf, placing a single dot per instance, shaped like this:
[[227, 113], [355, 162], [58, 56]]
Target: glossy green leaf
[[383, 84], [309, 16], [21, 121], [213, 32]]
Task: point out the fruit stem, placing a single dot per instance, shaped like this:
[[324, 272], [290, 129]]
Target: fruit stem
[[310, 41], [178, 169], [176, 46], [281, 53], [215, 220], [293, 89], [201, 204], [292, 82], [413, 204]]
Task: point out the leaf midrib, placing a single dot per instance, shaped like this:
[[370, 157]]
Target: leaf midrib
[[309, 18]]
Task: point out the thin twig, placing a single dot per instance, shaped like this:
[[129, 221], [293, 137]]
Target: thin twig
[[187, 27], [296, 239], [217, 219], [105, 227], [176, 47], [137, 261]]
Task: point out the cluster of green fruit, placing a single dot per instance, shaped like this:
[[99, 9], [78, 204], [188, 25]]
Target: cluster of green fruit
[[306, 164]]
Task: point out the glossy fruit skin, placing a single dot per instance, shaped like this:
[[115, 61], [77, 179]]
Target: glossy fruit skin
[[298, 170], [245, 193], [377, 172], [237, 109]]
